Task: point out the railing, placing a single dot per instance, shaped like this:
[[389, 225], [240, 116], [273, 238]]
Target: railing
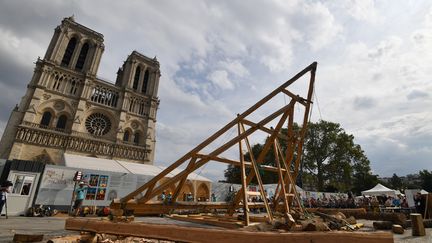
[[105, 94], [55, 139], [36, 125]]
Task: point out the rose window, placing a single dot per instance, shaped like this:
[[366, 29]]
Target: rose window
[[98, 124]]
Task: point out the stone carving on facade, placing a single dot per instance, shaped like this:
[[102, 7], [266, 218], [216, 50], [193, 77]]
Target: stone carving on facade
[[31, 109], [134, 125], [46, 96], [59, 105], [77, 120]]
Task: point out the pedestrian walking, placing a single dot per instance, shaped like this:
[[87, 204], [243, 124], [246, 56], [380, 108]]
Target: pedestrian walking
[[80, 193], [5, 188]]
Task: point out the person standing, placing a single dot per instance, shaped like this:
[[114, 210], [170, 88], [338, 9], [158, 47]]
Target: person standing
[[80, 193], [5, 188]]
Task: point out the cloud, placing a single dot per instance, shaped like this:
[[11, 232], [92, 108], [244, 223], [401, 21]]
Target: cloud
[[363, 103], [362, 10], [386, 48], [220, 79], [322, 28], [417, 94], [219, 57], [400, 144], [235, 67]]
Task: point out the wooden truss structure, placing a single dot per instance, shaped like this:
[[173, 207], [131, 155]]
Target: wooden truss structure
[[287, 159]]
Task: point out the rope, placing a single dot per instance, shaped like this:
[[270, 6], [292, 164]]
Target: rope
[[316, 98]]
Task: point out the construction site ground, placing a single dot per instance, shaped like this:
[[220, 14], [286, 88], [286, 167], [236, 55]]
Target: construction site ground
[[53, 227]]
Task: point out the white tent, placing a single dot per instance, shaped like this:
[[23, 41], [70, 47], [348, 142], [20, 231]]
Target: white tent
[[379, 190], [91, 163]]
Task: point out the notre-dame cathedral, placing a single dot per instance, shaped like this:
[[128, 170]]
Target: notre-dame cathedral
[[68, 109]]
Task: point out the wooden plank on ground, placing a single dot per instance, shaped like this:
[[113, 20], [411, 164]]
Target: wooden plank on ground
[[210, 221], [192, 234], [27, 238], [160, 208]]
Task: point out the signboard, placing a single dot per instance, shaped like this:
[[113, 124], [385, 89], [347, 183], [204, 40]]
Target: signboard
[[78, 176]]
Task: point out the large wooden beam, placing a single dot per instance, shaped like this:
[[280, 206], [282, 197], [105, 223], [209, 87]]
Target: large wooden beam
[[265, 149], [236, 163], [243, 180], [304, 125], [156, 191], [262, 128], [210, 235], [189, 155], [153, 208]]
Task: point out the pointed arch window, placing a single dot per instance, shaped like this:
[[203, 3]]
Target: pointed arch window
[[145, 82], [126, 136], [57, 82], [136, 78], [136, 138], [61, 122], [82, 57], [69, 52], [46, 119], [73, 87]]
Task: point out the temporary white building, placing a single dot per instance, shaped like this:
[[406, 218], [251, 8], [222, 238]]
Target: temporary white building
[[91, 163], [108, 180], [379, 190]]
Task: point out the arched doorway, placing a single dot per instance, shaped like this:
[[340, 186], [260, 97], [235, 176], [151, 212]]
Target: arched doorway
[[203, 193], [186, 193]]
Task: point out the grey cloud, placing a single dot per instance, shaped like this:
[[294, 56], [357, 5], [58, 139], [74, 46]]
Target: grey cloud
[[26, 19], [385, 48], [401, 155], [13, 81], [211, 31], [364, 103], [417, 94], [377, 76]]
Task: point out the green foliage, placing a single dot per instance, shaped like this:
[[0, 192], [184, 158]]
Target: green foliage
[[426, 180], [337, 162], [331, 160], [233, 173], [396, 182]]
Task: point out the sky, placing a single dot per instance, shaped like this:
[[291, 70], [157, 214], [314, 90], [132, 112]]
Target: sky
[[219, 57]]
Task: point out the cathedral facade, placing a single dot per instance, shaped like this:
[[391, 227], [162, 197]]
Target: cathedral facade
[[68, 109]]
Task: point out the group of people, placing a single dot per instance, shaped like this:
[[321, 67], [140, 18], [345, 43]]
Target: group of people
[[329, 202], [372, 203], [166, 198]]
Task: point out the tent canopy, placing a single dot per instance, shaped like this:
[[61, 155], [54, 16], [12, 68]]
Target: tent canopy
[[91, 163], [379, 190]]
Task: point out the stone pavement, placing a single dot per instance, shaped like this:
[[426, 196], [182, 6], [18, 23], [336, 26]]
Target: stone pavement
[[49, 226], [54, 226], [406, 237]]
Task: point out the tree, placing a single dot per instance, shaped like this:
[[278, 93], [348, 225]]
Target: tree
[[233, 173], [395, 182], [426, 180], [331, 154], [331, 159]]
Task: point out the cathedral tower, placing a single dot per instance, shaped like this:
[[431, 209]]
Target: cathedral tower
[[68, 109]]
